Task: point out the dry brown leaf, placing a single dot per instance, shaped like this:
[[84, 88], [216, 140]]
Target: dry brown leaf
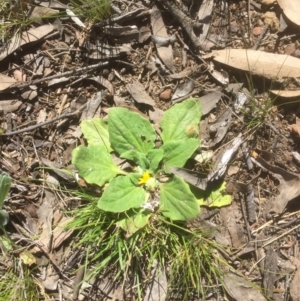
[[291, 9], [286, 94], [289, 187], [229, 216], [294, 286], [209, 101], [18, 74], [156, 115], [158, 29], [51, 279], [204, 16], [295, 128], [259, 62], [192, 177], [60, 233], [183, 89], [45, 216], [241, 289], [138, 93], [29, 36], [42, 12], [6, 81], [10, 105], [42, 116]]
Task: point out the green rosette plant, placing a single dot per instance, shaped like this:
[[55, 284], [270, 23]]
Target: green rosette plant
[[148, 187]]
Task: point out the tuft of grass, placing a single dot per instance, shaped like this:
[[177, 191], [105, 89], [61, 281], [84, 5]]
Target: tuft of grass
[[191, 259], [91, 10], [16, 16], [17, 282]]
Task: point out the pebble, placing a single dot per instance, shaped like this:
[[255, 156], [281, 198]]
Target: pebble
[[234, 27], [297, 53], [166, 94], [257, 31], [290, 49]]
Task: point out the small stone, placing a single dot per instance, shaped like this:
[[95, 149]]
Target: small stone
[[257, 31], [290, 49], [166, 94], [297, 53], [234, 27]]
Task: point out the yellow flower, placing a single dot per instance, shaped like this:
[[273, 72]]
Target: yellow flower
[[144, 179]]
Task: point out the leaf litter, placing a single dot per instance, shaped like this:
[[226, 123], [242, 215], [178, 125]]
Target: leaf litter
[[55, 73]]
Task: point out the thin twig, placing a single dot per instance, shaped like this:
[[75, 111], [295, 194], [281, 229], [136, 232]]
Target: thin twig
[[185, 21], [68, 73], [245, 216], [278, 237], [33, 127], [262, 34]]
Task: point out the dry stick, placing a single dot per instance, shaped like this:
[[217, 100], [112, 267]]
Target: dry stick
[[186, 22], [245, 216], [278, 237], [262, 34], [68, 73], [33, 127]]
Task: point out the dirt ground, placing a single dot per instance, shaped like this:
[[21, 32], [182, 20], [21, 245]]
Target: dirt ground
[[240, 57]]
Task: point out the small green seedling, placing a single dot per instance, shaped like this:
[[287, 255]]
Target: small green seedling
[[148, 187], [5, 182]]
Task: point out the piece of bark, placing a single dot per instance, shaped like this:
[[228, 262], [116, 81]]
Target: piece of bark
[[158, 28], [269, 271]]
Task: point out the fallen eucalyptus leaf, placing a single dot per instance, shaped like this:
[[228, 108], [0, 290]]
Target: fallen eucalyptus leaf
[[241, 289], [183, 89], [270, 65], [158, 28], [291, 9], [289, 187], [139, 94], [209, 101], [192, 177], [27, 37], [220, 127], [6, 81], [285, 93]]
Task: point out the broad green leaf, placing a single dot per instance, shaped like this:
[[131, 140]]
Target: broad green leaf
[[137, 157], [95, 164], [5, 182], [155, 156], [177, 201], [121, 195], [3, 218], [135, 178], [135, 222], [95, 131], [129, 131], [176, 153], [181, 121], [216, 198]]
